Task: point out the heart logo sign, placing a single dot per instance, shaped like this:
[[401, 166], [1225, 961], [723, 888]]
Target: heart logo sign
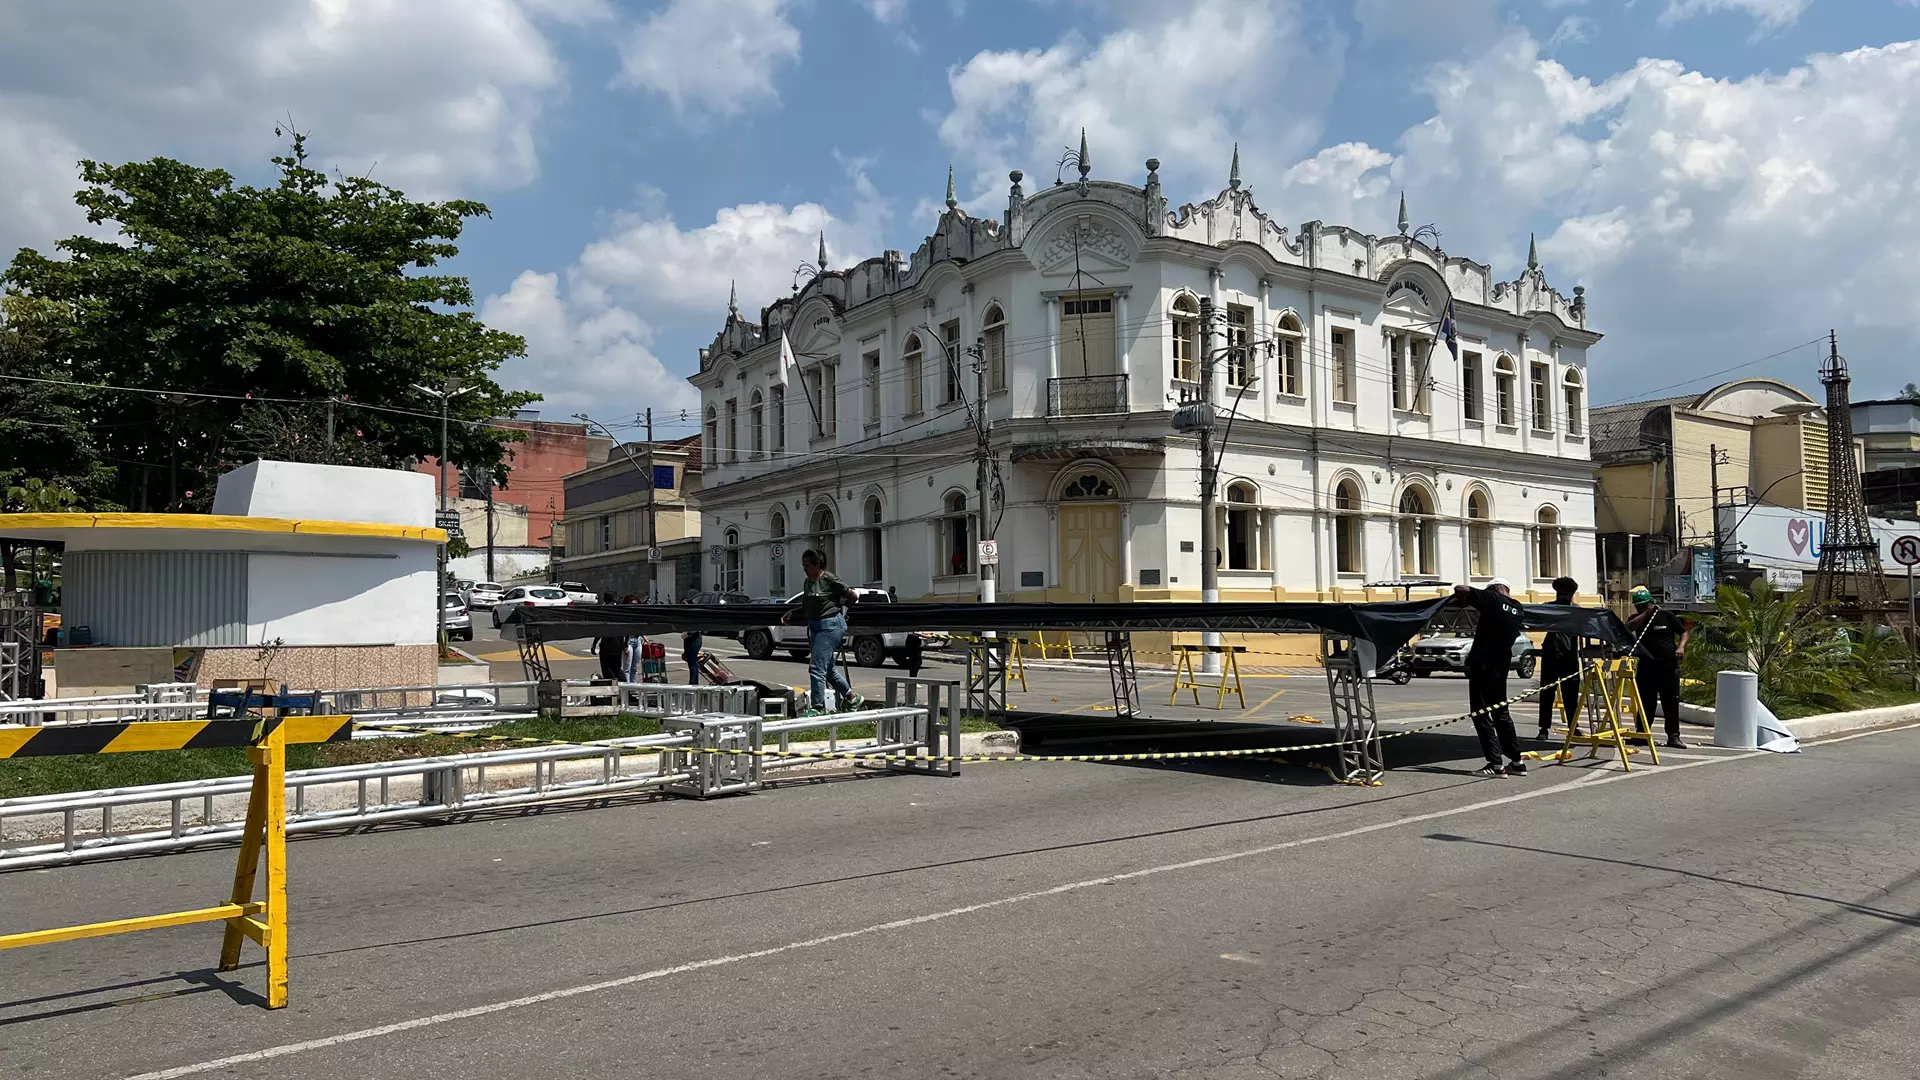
[[1797, 535]]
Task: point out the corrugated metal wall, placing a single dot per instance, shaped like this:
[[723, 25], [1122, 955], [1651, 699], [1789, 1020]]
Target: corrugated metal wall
[[157, 598]]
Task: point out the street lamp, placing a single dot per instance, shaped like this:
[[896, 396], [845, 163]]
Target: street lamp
[[446, 394]]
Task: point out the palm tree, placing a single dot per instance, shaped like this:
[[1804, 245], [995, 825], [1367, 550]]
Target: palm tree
[[1788, 640]]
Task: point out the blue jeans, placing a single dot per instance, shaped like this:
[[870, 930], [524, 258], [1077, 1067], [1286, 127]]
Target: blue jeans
[[824, 637], [632, 660]]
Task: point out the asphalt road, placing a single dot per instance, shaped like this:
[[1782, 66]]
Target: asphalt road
[[1736, 916]]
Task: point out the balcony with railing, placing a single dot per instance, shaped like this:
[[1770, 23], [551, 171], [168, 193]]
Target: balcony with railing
[[1087, 395]]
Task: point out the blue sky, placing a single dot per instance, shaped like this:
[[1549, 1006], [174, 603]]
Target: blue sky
[[1728, 177]]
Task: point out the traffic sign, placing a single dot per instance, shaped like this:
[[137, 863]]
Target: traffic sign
[[447, 521], [653, 554], [718, 552], [989, 553], [1906, 550], [779, 551]]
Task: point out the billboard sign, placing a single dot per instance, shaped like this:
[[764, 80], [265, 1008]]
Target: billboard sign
[[1781, 536]]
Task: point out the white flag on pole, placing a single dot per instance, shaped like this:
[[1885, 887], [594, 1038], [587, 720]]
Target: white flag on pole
[[786, 359]]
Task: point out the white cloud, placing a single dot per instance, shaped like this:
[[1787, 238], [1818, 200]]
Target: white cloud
[[434, 96], [711, 55], [1769, 14], [1714, 219], [583, 359], [1178, 82], [1574, 29], [37, 182], [887, 11], [591, 330]]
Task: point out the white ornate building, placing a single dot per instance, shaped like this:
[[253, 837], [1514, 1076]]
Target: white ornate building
[[1343, 466]]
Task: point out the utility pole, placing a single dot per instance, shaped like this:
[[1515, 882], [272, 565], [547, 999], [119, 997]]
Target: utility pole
[[329, 421], [490, 576], [446, 394], [982, 460], [1209, 530], [653, 535], [1716, 457]]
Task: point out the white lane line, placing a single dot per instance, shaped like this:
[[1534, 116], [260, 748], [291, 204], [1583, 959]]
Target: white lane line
[[1588, 781]]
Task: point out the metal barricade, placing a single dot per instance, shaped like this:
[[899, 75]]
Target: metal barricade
[[725, 757]]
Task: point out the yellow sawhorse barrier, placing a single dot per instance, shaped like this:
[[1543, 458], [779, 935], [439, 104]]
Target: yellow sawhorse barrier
[[1610, 691], [263, 838], [1184, 673]]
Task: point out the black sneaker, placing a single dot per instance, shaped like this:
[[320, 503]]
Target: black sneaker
[[1491, 772], [1518, 768]]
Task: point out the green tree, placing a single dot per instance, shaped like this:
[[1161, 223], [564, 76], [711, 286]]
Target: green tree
[[46, 431], [214, 298], [1911, 393], [1792, 643]]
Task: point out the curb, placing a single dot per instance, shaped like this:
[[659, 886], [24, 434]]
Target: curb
[[1809, 728]]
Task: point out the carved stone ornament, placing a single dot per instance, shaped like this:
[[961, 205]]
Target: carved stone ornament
[[1091, 237]]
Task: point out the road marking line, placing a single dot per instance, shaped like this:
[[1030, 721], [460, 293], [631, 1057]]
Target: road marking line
[[1584, 782]]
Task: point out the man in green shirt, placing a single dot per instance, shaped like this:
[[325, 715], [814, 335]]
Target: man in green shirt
[[823, 603]]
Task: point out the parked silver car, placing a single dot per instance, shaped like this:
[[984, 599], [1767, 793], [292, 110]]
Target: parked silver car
[[454, 617], [1447, 651]]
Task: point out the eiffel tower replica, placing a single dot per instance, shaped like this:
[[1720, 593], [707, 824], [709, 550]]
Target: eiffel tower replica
[[1849, 573]]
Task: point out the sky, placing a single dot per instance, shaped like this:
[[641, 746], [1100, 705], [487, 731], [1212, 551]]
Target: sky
[[1729, 178]]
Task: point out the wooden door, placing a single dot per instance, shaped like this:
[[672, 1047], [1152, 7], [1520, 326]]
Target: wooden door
[[1090, 552]]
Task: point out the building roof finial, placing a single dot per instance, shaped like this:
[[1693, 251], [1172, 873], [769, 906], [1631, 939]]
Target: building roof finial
[[1533, 254], [1086, 166], [951, 201], [1233, 178], [733, 300], [822, 263], [1403, 211]]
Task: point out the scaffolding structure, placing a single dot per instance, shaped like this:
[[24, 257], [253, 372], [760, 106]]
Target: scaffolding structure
[[20, 633]]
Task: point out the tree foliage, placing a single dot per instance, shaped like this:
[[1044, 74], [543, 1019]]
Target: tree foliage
[[1802, 653], [1910, 393], [46, 437], [219, 300]]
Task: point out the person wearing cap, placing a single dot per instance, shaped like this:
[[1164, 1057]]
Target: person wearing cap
[[1501, 621], [1662, 638], [1559, 664]]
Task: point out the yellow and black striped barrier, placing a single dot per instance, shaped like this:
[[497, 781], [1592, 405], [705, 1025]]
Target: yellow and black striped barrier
[[262, 839]]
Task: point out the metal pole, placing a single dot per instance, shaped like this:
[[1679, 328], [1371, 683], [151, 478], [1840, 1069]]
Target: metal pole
[[1913, 630], [444, 403], [982, 457], [653, 536], [1713, 472], [1209, 531], [490, 576]]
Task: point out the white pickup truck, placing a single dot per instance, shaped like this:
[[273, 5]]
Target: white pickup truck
[[869, 650]]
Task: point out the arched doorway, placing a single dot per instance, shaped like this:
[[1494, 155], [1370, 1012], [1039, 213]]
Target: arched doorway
[[1089, 508]]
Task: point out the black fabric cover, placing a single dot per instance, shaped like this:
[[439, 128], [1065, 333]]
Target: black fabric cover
[[1387, 626]]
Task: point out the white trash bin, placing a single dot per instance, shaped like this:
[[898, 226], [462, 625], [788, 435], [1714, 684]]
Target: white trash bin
[[1736, 710]]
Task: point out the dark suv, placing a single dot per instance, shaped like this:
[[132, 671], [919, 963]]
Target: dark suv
[[721, 598]]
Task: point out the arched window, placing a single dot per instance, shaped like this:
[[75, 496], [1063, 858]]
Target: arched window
[[713, 436], [1504, 389], [1479, 534], [1549, 545], [1088, 486], [730, 575], [956, 535], [1186, 338], [1288, 336], [820, 536], [779, 419], [757, 425], [1575, 396], [777, 532], [911, 361], [1245, 527], [1349, 519], [995, 331], [876, 561], [1419, 534], [733, 430]]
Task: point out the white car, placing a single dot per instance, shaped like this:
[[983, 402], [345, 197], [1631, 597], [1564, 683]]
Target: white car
[[578, 593], [454, 618], [869, 650], [529, 595], [485, 594]]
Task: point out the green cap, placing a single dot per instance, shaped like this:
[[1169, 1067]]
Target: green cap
[[1642, 595]]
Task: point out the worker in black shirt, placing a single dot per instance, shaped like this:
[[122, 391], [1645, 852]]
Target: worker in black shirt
[[1663, 643], [1501, 620], [1560, 659]]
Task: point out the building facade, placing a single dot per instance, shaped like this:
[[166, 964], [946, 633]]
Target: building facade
[[643, 496], [1357, 448], [1657, 476], [522, 511]]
